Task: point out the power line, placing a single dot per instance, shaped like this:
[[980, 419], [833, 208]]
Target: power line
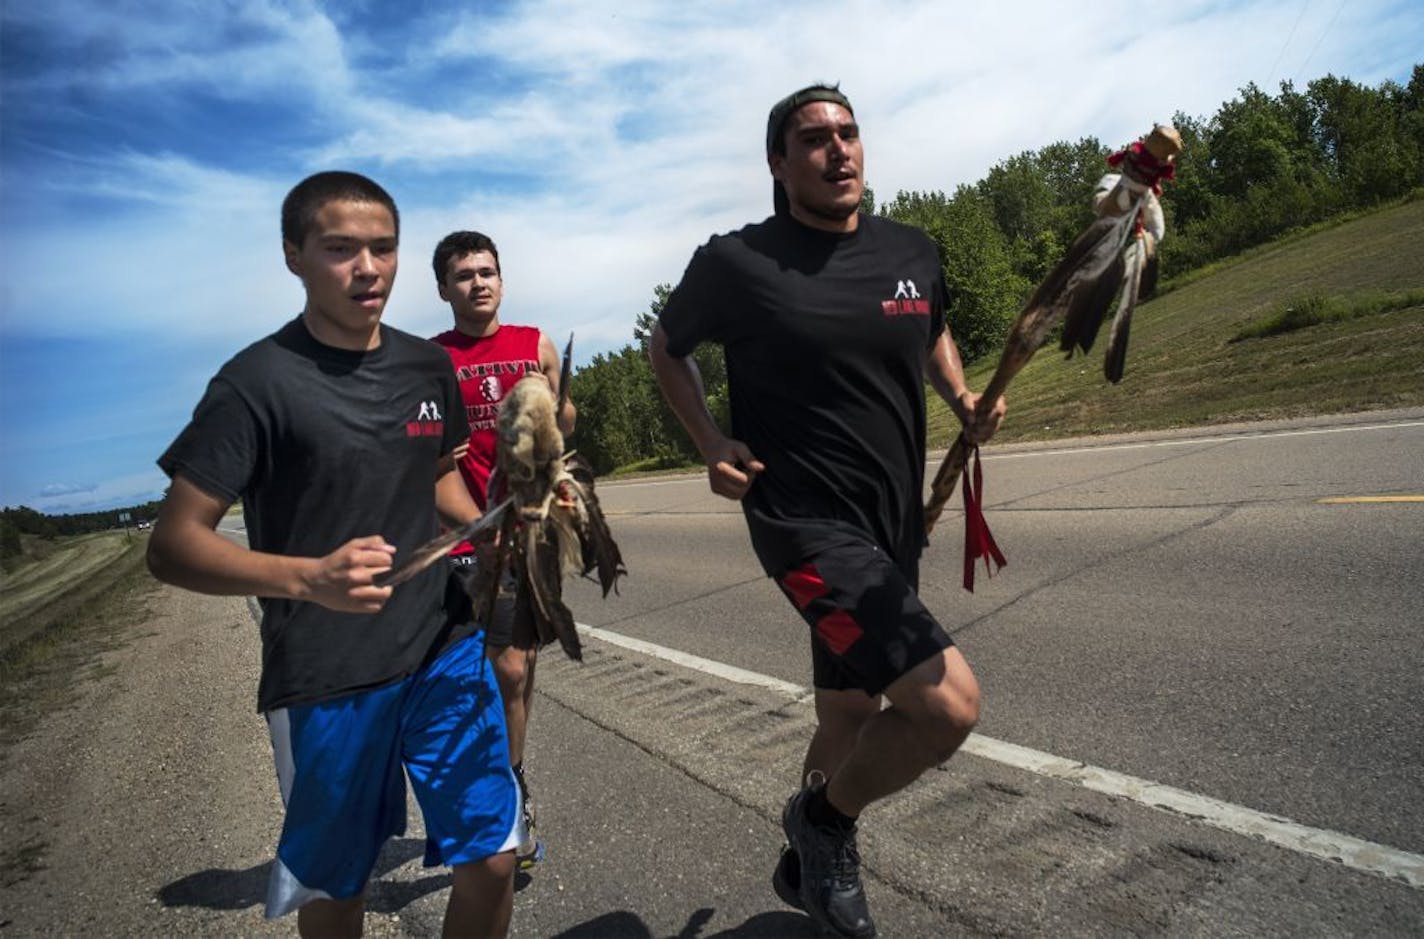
[[1285, 45], [1325, 32]]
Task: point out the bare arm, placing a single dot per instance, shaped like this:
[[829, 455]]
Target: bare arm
[[186, 550], [549, 364], [946, 376], [731, 467], [453, 502]]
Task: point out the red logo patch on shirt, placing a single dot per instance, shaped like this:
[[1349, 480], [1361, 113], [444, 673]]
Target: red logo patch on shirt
[[906, 302], [428, 421], [905, 307]]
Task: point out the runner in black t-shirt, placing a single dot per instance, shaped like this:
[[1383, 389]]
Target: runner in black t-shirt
[[337, 433], [831, 322]]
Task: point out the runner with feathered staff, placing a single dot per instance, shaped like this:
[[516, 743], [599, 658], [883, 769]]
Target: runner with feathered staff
[[1116, 256]]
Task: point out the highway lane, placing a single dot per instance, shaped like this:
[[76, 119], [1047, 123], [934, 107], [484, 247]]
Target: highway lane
[[1184, 610]]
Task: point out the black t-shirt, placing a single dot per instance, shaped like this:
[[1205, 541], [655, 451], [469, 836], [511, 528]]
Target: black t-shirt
[[323, 445], [825, 338]]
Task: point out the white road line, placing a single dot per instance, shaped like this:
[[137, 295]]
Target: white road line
[[1322, 843], [1317, 842], [1368, 500], [730, 673], [681, 479]]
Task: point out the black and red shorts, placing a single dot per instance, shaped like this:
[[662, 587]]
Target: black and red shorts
[[868, 626]]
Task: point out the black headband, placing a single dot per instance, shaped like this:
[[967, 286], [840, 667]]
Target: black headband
[[776, 121]]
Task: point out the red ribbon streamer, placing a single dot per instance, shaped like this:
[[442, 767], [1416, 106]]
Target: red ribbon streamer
[[978, 541]]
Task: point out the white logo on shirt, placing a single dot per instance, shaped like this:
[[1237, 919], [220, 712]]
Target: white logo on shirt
[[429, 411], [490, 388], [906, 288]]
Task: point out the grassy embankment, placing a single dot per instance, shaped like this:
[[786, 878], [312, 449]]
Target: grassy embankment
[[1326, 322], [56, 612], [69, 601]]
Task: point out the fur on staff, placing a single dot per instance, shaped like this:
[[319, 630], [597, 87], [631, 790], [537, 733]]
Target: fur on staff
[[547, 523], [555, 524]]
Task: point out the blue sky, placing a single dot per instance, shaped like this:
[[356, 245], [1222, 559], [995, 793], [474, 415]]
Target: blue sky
[[145, 148]]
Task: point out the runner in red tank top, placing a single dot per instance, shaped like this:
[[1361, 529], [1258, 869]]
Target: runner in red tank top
[[489, 357], [487, 368]]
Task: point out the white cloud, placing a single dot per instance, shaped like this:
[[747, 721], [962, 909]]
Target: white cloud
[[129, 489], [394, 133], [198, 253], [66, 489], [232, 49]]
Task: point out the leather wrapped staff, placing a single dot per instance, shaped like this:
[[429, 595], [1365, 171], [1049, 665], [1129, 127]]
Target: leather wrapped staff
[[1114, 256]]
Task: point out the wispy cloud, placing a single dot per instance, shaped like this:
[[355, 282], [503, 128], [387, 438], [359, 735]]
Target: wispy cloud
[[233, 49], [65, 489], [177, 247], [61, 499]]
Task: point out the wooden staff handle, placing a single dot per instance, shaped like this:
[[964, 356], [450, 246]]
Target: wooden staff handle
[[943, 486], [1027, 334]]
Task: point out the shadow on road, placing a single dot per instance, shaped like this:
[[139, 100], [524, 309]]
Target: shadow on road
[[217, 889], [626, 925]]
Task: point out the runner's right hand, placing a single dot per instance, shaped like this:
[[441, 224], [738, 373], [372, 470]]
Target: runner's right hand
[[342, 579], [731, 468]]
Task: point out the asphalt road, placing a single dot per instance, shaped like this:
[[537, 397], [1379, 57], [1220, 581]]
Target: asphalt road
[[1182, 608], [1178, 608]]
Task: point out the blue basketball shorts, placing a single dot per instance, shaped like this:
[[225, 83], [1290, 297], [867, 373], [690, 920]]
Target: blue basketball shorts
[[342, 765]]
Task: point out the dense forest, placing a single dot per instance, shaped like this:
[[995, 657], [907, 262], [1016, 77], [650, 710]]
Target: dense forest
[[1260, 166]]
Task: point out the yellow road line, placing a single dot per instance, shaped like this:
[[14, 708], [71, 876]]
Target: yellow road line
[[1343, 500]]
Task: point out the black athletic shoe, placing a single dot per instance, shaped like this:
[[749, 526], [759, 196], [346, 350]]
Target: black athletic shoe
[[786, 879], [831, 892]]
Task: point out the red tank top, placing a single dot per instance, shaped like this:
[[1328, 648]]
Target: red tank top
[[487, 369]]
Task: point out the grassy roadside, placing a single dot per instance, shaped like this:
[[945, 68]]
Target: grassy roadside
[[50, 568], [56, 644], [1193, 360], [48, 650]]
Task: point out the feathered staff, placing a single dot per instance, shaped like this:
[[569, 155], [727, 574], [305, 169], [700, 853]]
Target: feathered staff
[[1114, 257], [549, 523]]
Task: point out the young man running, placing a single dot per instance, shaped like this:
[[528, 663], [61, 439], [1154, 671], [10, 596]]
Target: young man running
[[489, 358], [831, 322], [336, 432]]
